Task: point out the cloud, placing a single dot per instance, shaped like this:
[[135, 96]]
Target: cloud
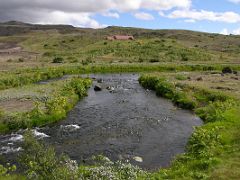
[[59, 17], [79, 12], [190, 21], [236, 31], [225, 31], [226, 17], [144, 16], [235, 1], [110, 14]]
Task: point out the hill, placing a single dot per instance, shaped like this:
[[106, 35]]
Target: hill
[[42, 43]]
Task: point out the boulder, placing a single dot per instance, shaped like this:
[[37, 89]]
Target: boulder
[[199, 79], [110, 88], [97, 88], [100, 80], [138, 159]]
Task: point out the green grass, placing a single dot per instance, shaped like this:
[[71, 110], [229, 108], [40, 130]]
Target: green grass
[[52, 102], [212, 147], [29, 76]]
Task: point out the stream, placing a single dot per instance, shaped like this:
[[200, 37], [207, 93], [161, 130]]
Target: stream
[[123, 122]]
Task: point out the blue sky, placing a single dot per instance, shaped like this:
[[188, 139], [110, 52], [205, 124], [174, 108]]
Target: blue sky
[[164, 22], [219, 16]]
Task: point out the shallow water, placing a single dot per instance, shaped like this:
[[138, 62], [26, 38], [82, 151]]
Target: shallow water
[[128, 123]]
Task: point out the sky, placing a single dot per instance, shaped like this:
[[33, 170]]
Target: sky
[[216, 16]]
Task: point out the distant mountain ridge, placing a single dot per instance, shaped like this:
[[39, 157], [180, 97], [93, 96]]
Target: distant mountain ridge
[[16, 27], [208, 41]]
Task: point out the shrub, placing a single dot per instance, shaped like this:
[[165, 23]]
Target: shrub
[[41, 162], [183, 101], [140, 59], [6, 171], [226, 70], [215, 110], [153, 60], [203, 141], [87, 61], [20, 60], [57, 60], [165, 89], [106, 169], [148, 82], [184, 57]]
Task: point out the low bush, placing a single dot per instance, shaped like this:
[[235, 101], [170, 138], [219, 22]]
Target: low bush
[[165, 89], [106, 169], [215, 110], [41, 162], [6, 171], [148, 82], [183, 101], [226, 70], [58, 60]]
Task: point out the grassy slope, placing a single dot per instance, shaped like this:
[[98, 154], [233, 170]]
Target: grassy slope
[[88, 45]]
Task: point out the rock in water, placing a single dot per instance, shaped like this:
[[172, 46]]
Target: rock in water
[[138, 159], [100, 81], [110, 88], [97, 88]]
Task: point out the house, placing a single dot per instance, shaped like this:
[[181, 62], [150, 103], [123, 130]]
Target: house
[[120, 37]]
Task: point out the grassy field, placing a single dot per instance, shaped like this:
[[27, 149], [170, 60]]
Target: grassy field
[[184, 66]]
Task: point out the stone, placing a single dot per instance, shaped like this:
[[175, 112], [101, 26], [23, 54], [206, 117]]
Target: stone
[[110, 88], [199, 79], [138, 159], [100, 81], [97, 88]]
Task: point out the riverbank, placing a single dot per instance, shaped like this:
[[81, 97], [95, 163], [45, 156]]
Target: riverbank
[[212, 151], [212, 147], [37, 105]]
